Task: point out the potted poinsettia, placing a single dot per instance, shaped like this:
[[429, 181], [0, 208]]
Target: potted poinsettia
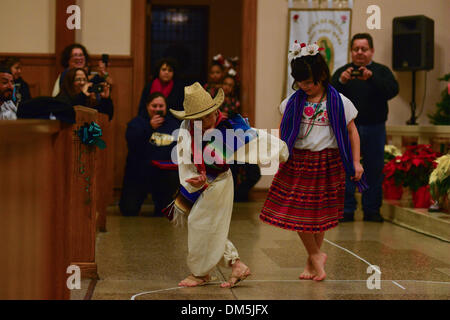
[[440, 182], [412, 170], [391, 189]]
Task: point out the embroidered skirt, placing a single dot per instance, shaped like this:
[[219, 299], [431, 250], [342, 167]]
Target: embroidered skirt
[[307, 193]]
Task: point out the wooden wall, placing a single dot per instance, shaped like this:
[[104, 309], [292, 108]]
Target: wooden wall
[[128, 72], [39, 71], [33, 197]]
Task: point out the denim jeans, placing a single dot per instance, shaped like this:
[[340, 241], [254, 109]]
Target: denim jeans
[[373, 139]]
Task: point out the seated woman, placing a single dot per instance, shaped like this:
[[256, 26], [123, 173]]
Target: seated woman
[[77, 91], [149, 168], [165, 82]]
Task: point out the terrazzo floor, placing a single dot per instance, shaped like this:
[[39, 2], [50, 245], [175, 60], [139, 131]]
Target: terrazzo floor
[[144, 258]]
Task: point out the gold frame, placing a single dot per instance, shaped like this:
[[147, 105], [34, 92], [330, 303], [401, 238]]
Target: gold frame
[[288, 32]]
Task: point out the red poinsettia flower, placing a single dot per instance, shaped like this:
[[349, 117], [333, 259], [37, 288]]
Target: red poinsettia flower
[[295, 17], [413, 168], [417, 162]]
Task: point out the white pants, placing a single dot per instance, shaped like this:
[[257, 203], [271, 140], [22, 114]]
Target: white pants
[[208, 226]]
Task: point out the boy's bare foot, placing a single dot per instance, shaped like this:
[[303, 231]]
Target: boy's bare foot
[[318, 261], [239, 272], [309, 273]]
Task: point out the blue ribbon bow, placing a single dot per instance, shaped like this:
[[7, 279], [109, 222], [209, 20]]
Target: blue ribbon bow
[[90, 134]]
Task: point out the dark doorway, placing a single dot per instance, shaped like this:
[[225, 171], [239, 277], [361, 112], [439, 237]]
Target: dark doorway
[[182, 34]]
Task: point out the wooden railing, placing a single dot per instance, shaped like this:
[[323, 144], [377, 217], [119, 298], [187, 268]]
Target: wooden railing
[[437, 136], [51, 188]]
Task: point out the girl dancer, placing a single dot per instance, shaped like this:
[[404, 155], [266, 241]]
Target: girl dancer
[[307, 193]]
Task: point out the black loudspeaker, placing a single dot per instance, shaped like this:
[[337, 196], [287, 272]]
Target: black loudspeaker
[[412, 43]]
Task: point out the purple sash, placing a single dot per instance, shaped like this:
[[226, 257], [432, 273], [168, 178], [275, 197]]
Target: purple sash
[[290, 127]]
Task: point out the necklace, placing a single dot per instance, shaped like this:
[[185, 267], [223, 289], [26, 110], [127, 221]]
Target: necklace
[[314, 116]]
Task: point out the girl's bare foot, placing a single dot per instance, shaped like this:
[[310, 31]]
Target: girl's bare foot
[[318, 261], [309, 272], [239, 272]]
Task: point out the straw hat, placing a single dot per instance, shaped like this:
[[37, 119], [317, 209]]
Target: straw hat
[[198, 102]]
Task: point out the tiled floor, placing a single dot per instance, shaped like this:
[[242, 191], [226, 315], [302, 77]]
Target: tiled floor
[[145, 258]]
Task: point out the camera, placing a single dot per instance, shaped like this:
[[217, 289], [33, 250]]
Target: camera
[[356, 73], [96, 88]]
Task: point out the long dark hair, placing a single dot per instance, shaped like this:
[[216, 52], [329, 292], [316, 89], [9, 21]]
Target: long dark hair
[[67, 86], [306, 67]]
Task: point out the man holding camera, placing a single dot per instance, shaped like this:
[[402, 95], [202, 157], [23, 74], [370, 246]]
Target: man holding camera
[[369, 85]]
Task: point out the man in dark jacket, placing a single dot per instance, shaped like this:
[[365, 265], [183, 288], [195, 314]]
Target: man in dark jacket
[[369, 85]]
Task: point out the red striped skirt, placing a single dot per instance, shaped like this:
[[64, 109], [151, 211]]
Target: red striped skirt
[[307, 193]]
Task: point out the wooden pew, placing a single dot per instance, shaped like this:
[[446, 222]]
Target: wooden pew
[[83, 197], [34, 200], [104, 171], [48, 198]]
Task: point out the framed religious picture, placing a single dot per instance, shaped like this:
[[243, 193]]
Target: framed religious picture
[[329, 28]]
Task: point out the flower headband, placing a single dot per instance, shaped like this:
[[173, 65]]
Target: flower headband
[[302, 49]]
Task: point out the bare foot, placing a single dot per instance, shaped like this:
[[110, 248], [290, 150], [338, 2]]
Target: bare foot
[[318, 261], [309, 272], [193, 281], [239, 272]]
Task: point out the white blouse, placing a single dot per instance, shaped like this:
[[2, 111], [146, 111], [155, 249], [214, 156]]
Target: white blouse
[[315, 120]]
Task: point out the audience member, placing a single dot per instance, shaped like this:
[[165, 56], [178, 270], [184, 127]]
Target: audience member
[[8, 109], [149, 168], [76, 90], [164, 81], [231, 104], [76, 56], [215, 77], [21, 88], [369, 85], [245, 175]]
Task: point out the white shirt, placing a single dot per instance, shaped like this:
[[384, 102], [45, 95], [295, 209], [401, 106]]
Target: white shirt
[[315, 120], [8, 111]]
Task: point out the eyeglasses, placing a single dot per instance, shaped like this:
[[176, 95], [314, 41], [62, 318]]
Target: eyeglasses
[[362, 49], [80, 80], [77, 55]]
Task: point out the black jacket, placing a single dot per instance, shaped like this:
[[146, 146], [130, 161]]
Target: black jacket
[[140, 149], [22, 91], [103, 106], [370, 97]]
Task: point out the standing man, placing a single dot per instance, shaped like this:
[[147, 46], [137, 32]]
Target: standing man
[[7, 107], [369, 85]]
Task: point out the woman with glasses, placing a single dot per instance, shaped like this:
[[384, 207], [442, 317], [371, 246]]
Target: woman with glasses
[[76, 90], [76, 56]]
